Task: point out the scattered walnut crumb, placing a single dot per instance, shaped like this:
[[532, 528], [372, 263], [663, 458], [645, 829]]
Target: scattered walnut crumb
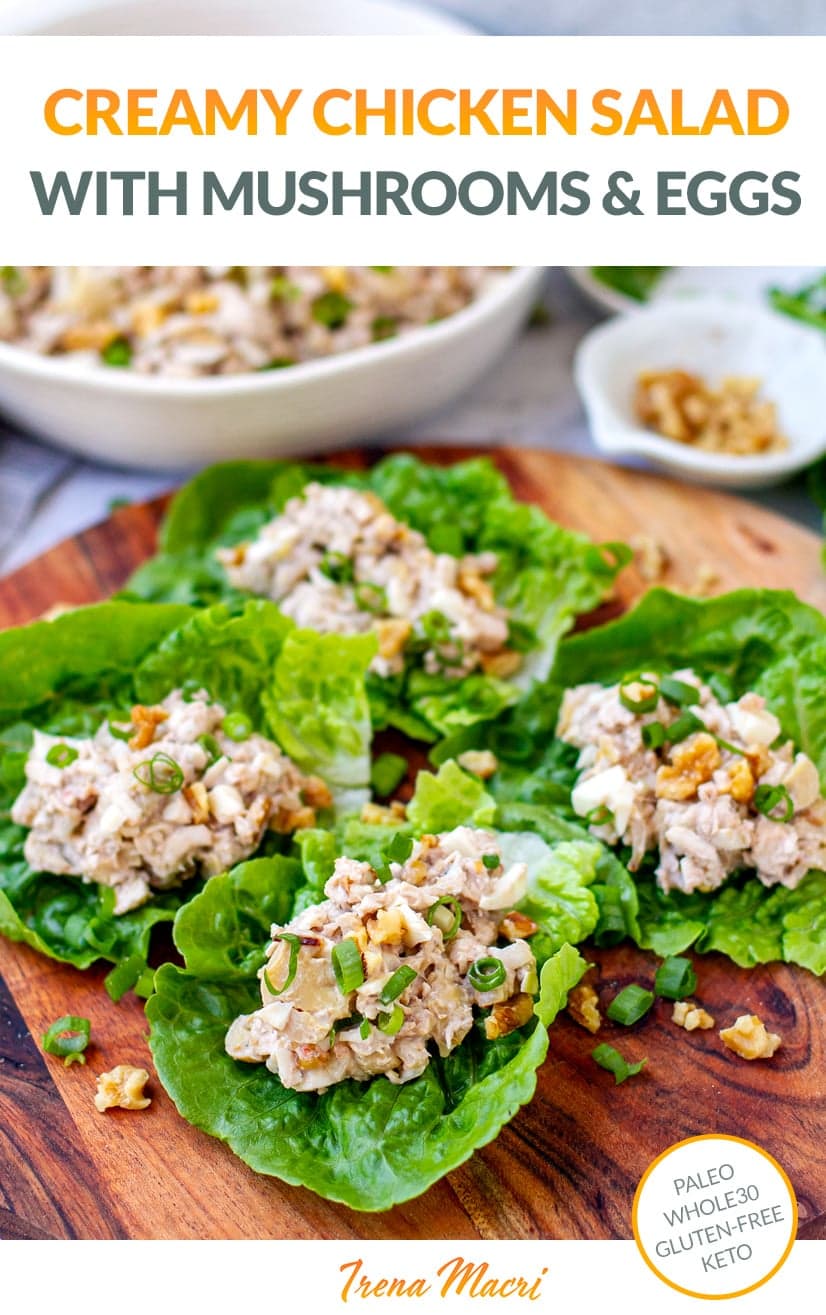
[[518, 926], [122, 1089], [316, 793], [705, 581], [689, 1015], [507, 1017], [502, 664], [730, 418], [146, 721], [748, 1038], [583, 1006], [393, 634], [379, 815], [481, 762], [693, 762], [653, 559]]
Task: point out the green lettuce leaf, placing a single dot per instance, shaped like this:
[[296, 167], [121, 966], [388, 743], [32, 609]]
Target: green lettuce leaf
[[370, 1145], [66, 676], [546, 575]]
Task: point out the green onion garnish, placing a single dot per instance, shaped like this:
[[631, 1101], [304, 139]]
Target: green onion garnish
[[769, 797], [675, 979], [118, 353], [331, 309], [192, 690], [435, 626], [283, 289], [399, 849], [491, 862], [632, 1004], [686, 724], [487, 973], [121, 730], [721, 686], [678, 691], [278, 363], [611, 1059], [347, 966], [654, 735], [68, 1037], [371, 598], [388, 771], [646, 697], [611, 928], [124, 976], [338, 567], [237, 726], [732, 748], [294, 943], [211, 748], [364, 1029], [161, 774], [382, 269], [61, 755], [12, 279], [397, 984], [391, 1023], [599, 816], [384, 327], [448, 921]]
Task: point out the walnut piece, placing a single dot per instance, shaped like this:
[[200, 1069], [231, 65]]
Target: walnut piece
[[651, 556], [749, 1039], [692, 762], [502, 664], [741, 783], [480, 762], [379, 815], [507, 1017], [583, 1006], [392, 635], [146, 721], [518, 926], [689, 1015], [730, 418], [122, 1088]]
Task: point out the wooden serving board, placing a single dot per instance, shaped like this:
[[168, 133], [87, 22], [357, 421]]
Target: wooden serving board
[[568, 1164]]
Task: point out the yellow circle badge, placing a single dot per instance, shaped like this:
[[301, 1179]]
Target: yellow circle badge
[[714, 1216]]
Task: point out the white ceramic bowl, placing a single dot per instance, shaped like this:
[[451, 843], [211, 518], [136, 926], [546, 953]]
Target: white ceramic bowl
[[129, 419], [749, 283], [712, 338]]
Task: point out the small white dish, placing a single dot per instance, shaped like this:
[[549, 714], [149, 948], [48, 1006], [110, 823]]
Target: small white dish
[[750, 283], [713, 338]]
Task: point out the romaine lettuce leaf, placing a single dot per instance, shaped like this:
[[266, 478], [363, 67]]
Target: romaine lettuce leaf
[[546, 575], [371, 1144], [67, 675]]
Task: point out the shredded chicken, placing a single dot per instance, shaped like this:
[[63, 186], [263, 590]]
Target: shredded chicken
[[696, 800], [337, 560], [313, 1034], [196, 320], [167, 796]]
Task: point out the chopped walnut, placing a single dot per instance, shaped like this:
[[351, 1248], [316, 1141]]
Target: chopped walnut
[[386, 928], [146, 721], [518, 926], [730, 418], [502, 664], [692, 763], [122, 1088], [393, 635], [741, 783], [652, 557], [285, 820], [705, 581], [748, 1038], [379, 815], [93, 336], [689, 1015], [583, 1006], [316, 793], [472, 584], [507, 1017], [198, 799], [481, 762]]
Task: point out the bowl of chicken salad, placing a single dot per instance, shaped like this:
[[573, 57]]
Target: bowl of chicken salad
[[117, 361]]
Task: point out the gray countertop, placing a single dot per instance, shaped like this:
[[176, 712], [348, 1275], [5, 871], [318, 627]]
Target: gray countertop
[[528, 399]]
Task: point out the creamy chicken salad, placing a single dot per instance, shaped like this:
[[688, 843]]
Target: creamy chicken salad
[[391, 964], [168, 792], [712, 787], [337, 560], [200, 320]]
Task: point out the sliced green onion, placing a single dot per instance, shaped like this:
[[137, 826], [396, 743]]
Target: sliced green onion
[[384, 327], [192, 690], [211, 748], [371, 598], [678, 691], [382, 269], [237, 726], [632, 1004], [347, 966], [397, 984], [331, 309], [388, 771], [675, 979], [338, 567], [769, 797], [121, 730], [654, 735], [399, 849], [609, 1058], [487, 973], [732, 748], [448, 922], [435, 626], [283, 289], [13, 279], [611, 928], [391, 1023], [278, 363], [491, 862], [599, 816], [686, 724], [117, 353], [364, 1029], [61, 755], [68, 1037], [294, 943], [161, 774], [124, 976], [641, 701], [721, 686]]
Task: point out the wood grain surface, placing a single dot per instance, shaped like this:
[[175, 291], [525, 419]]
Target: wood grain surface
[[568, 1164]]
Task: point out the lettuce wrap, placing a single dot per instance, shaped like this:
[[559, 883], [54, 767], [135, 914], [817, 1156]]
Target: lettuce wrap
[[368, 1144], [66, 676], [765, 641], [546, 576]]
